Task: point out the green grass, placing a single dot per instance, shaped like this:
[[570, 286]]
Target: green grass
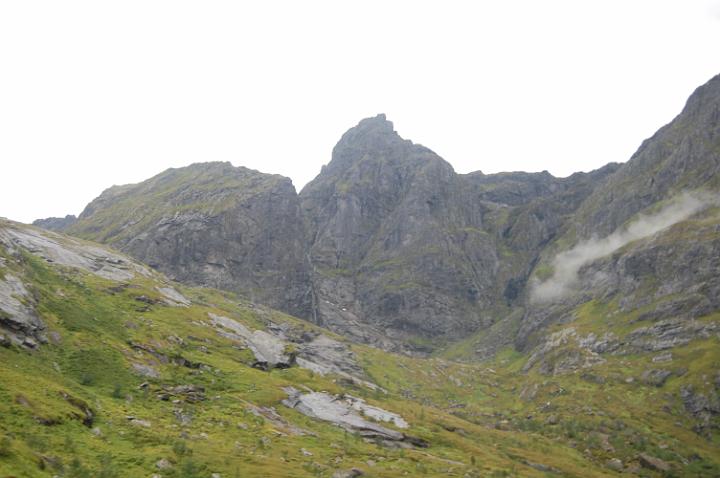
[[480, 419]]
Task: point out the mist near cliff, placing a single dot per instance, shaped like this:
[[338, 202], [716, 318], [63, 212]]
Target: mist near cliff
[[567, 264]]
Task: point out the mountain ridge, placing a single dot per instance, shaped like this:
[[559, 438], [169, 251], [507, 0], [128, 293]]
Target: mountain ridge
[[390, 246]]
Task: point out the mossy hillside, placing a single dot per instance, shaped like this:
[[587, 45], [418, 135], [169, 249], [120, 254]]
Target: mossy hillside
[[90, 364], [607, 403], [487, 419]]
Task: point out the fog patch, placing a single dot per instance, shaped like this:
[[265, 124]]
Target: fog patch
[[567, 264]]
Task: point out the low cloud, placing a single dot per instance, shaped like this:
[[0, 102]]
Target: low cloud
[[567, 264]]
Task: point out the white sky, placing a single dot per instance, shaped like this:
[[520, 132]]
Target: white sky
[[99, 93]]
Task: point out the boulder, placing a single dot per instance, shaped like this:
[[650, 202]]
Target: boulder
[[653, 463]]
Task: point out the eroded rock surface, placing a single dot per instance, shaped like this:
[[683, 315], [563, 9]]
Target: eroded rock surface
[[70, 252], [282, 347], [348, 413], [18, 319]]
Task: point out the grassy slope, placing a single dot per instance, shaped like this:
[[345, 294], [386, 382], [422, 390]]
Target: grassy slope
[[610, 398], [480, 420], [42, 434]]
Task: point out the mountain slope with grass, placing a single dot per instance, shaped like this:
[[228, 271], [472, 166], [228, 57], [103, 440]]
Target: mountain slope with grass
[[110, 369]]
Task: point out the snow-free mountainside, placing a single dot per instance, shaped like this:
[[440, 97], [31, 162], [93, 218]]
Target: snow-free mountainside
[[393, 318]]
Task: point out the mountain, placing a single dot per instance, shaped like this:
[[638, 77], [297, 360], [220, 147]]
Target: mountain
[[549, 326], [400, 241], [388, 245], [213, 225], [109, 369]]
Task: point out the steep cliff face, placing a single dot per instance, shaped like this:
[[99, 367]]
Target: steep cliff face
[[399, 241], [645, 243], [394, 241], [214, 225], [683, 155]]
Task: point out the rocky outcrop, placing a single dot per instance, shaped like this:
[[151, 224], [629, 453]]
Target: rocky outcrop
[[348, 413], [214, 225], [66, 251], [283, 347], [19, 323], [564, 352], [270, 351], [385, 220]]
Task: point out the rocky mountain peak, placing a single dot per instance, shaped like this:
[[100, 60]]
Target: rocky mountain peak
[[371, 137], [376, 125]]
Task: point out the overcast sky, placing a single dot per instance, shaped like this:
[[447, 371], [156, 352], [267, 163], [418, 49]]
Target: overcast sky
[[99, 93]]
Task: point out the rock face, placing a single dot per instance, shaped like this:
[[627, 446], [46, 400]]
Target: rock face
[[388, 245], [682, 155], [213, 225], [394, 240], [674, 270], [402, 243], [18, 318]]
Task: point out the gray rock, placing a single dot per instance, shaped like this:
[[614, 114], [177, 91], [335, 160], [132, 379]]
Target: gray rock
[[139, 422], [562, 352], [173, 297], [145, 370], [615, 464], [352, 473], [655, 377], [666, 357], [66, 251], [270, 351], [18, 319], [347, 412], [188, 393], [653, 463], [271, 415], [282, 347], [703, 406]]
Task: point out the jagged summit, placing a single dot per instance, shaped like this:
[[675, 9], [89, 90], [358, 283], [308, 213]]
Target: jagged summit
[[371, 136], [373, 127]]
